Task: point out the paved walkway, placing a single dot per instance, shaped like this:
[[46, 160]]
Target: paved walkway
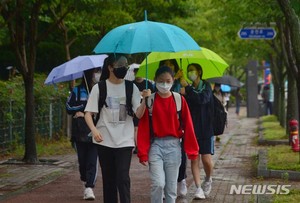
[[59, 182]]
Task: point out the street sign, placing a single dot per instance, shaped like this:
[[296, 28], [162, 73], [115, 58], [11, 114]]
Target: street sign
[[257, 33]]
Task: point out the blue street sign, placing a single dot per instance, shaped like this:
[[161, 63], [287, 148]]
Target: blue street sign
[[257, 33]]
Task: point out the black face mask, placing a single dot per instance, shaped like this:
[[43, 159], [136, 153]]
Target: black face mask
[[120, 72]]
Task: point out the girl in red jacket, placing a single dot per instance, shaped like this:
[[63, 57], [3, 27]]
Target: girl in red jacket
[[159, 141]]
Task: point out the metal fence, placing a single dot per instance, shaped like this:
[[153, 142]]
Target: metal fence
[[49, 120]]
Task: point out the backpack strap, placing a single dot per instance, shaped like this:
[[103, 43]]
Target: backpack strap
[[129, 92], [178, 101], [102, 98]]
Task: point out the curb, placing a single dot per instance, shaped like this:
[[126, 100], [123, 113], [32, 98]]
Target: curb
[[263, 171], [262, 141]]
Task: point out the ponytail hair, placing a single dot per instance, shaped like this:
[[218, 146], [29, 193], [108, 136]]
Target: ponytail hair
[[109, 61]]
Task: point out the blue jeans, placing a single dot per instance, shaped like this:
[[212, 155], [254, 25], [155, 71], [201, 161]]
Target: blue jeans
[[164, 162]]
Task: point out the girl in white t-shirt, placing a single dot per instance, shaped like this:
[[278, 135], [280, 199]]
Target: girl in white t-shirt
[[114, 131]]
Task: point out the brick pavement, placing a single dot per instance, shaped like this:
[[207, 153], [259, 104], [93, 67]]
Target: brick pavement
[[233, 164], [60, 183]]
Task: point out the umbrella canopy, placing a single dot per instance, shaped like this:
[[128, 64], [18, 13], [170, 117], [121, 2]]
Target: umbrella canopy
[[213, 65], [146, 37], [226, 80], [74, 68]]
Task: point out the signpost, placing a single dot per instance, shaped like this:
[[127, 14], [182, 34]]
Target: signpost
[[257, 33]]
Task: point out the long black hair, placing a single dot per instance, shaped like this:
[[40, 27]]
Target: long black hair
[[109, 61]]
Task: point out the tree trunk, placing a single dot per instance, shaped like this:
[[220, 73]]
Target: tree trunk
[[282, 119], [294, 26], [292, 104], [276, 102], [30, 155]]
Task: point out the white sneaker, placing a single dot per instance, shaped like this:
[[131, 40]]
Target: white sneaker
[[182, 188], [88, 194], [199, 194], [206, 186]]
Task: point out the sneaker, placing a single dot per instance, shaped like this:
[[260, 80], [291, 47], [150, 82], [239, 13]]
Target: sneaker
[[199, 194], [88, 194], [182, 188], [206, 186]]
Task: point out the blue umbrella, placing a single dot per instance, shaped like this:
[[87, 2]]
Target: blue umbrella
[[145, 37], [74, 68]]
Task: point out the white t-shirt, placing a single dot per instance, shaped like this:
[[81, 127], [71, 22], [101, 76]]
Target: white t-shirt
[[115, 125]]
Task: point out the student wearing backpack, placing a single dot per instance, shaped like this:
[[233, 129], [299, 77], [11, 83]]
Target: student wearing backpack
[[114, 131], [220, 95], [178, 74], [199, 97], [86, 150], [162, 124]]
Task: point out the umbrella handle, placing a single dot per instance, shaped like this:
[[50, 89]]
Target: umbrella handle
[[86, 84], [146, 71]]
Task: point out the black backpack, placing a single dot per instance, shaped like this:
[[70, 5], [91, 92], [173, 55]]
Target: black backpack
[[220, 117], [103, 94]]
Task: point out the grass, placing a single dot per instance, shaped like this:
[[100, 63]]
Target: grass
[[269, 118], [293, 196], [281, 157], [271, 128], [45, 148]]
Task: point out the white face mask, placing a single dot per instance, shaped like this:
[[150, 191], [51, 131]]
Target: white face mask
[[96, 77], [164, 87], [192, 75]]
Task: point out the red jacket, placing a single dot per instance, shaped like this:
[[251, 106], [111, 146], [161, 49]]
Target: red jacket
[[165, 123]]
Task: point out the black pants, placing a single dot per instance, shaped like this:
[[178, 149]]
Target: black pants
[[115, 165], [87, 159], [182, 168]]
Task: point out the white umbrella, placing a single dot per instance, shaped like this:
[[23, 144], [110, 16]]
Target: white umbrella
[[130, 73]]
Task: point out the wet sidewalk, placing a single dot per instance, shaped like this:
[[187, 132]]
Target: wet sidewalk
[[59, 181]]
